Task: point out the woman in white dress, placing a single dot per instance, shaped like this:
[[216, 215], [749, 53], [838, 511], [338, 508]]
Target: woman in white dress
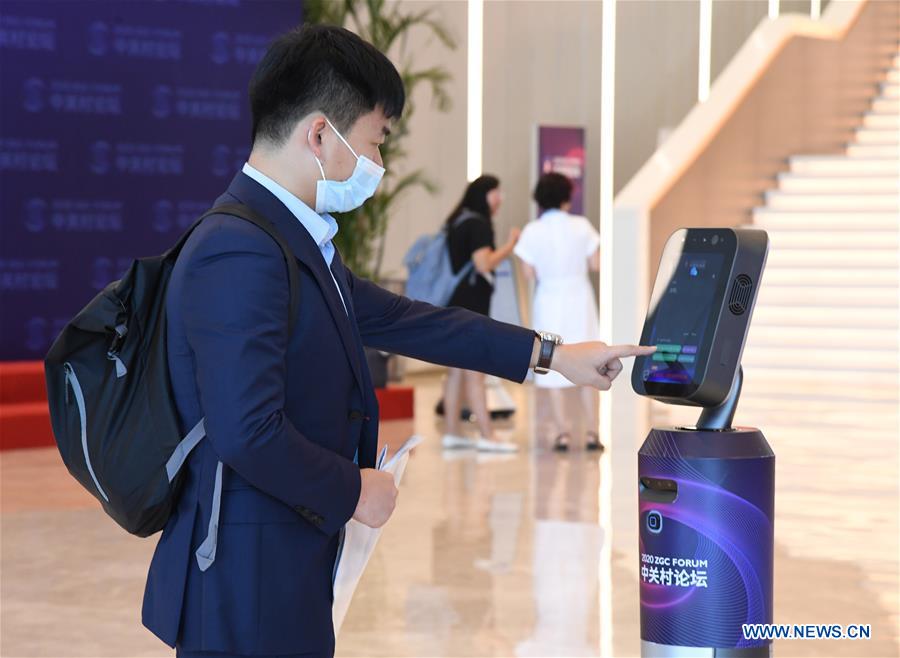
[[558, 250]]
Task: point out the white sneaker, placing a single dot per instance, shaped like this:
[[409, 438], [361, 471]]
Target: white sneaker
[[488, 445], [452, 441]]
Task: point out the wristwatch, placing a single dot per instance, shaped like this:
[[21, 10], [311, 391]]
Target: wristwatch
[[545, 357]]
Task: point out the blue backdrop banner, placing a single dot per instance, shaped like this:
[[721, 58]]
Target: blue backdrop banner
[[120, 123]]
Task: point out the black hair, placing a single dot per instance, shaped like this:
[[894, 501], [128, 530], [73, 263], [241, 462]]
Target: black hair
[[552, 190], [321, 68], [475, 197]]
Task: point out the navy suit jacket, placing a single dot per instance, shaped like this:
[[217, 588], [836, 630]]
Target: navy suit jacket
[[286, 411]]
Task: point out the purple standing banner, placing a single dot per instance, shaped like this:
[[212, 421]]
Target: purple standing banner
[[561, 149], [120, 123]]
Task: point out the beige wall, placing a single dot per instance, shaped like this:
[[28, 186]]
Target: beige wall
[[542, 65], [437, 140], [656, 76], [734, 20]]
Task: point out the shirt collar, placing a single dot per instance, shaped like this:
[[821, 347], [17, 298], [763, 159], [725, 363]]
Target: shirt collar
[[322, 228]]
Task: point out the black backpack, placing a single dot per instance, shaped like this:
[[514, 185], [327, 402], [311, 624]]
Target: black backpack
[[111, 403]]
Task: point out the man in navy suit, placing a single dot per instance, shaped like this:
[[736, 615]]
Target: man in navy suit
[[244, 566]]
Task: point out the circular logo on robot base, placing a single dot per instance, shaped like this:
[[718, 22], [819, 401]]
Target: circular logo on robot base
[[35, 215], [33, 100], [654, 522]]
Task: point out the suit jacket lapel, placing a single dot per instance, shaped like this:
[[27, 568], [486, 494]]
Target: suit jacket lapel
[[249, 192]]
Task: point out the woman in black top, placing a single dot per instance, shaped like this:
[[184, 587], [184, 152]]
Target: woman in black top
[[470, 236]]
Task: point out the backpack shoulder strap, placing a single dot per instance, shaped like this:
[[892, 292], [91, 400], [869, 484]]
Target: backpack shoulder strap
[[250, 215], [465, 215]]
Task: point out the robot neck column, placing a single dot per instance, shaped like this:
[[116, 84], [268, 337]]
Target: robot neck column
[[720, 418]]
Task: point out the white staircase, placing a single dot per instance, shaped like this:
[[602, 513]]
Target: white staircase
[[823, 352]]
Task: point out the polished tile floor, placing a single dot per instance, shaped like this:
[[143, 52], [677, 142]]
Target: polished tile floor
[[530, 555]]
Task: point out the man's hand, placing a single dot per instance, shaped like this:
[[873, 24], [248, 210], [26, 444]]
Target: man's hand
[[594, 364], [377, 498]]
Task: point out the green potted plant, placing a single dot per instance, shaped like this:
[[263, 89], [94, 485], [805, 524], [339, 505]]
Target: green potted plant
[[386, 25]]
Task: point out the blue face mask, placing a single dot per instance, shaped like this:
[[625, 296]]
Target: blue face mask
[[344, 196]]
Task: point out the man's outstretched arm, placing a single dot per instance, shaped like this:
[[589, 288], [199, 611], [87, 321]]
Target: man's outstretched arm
[[459, 338]]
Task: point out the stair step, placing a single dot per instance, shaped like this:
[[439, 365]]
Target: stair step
[[850, 385], [815, 317], [849, 240], [822, 337], [779, 200], [829, 359], [886, 105], [807, 183], [850, 412], [883, 136], [767, 411], [847, 297], [886, 278], [890, 89], [881, 121], [788, 435], [841, 165], [827, 220], [873, 151], [839, 258]]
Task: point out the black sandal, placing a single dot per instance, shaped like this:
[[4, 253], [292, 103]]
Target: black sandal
[[561, 442], [593, 442]]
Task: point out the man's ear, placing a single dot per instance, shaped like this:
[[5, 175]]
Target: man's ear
[[314, 135]]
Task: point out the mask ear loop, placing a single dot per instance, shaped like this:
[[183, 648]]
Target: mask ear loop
[[341, 137]]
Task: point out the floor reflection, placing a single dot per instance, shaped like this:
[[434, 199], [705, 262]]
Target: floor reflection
[[485, 556]]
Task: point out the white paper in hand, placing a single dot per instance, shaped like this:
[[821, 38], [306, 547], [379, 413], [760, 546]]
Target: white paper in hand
[[359, 540]]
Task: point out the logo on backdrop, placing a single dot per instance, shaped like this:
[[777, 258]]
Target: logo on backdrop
[[34, 95], [137, 159], [74, 215], [40, 332], [98, 38], [36, 334], [100, 157], [106, 270], [27, 33], [36, 215], [196, 103], [227, 160], [135, 41], [248, 49], [29, 155], [28, 275], [167, 215], [69, 173], [72, 97]]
